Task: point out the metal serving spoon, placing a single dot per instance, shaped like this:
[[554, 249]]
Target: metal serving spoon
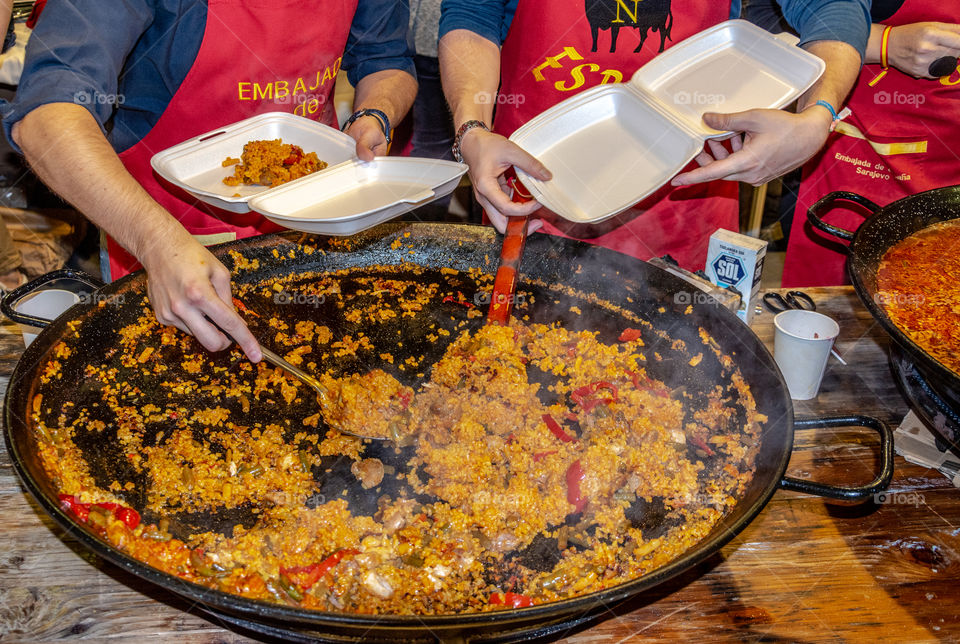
[[310, 381]]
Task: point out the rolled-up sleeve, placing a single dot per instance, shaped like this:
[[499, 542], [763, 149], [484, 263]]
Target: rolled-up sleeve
[[378, 39], [844, 20], [486, 18], [75, 55]]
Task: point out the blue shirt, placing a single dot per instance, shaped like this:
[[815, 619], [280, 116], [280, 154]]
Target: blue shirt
[[87, 51], [844, 20], [767, 13]]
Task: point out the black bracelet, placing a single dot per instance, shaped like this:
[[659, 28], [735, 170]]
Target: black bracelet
[[377, 114]]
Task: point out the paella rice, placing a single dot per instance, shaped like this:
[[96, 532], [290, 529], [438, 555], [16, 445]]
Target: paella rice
[[271, 163], [918, 287], [520, 435]]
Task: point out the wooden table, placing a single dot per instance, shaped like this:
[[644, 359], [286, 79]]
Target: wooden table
[[804, 570]]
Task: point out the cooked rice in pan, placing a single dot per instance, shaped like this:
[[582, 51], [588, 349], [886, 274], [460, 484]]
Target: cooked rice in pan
[[500, 463]]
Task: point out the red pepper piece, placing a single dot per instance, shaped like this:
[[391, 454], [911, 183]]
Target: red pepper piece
[[646, 386], [557, 430], [583, 395], [603, 384], [129, 516], [458, 300], [629, 335], [698, 442], [575, 474], [296, 153], [405, 398], [513, 600], [70, 503], [240, 306], [307, 576], [539, 456]]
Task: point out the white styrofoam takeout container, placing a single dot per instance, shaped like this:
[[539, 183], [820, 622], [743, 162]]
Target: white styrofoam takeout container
[[356, 196], [613, 145]]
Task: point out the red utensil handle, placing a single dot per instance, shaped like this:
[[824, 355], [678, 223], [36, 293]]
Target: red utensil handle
[[505, 282]]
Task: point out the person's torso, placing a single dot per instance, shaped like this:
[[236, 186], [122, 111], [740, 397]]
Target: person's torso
[[249, 62], [554, 50], [900, 131], [262, 63], [897, 141]]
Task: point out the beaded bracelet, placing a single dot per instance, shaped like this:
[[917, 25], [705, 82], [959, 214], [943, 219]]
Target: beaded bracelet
[[377, 114]]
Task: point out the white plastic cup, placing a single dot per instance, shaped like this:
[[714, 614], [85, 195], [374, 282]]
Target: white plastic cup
[[48, 304], [801, 346]]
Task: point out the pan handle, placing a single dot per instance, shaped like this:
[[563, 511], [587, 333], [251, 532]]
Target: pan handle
[[859, 493], [11, 299], [815, 214]]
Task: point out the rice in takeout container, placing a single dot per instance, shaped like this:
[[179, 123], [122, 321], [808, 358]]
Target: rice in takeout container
[[346, 197]]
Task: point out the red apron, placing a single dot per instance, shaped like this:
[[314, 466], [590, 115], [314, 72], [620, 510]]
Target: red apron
[[557, 49], [256, 56], [898, 141]]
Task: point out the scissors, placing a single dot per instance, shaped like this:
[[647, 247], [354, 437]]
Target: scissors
[[799, 300], [777, 303]]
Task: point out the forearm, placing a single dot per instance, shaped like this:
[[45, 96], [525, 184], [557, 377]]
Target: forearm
[[391, 91], [843, 66], [6, 11], [64, 146], [470, 72]]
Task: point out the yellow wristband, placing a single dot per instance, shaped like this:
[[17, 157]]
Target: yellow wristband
[[884, 61]]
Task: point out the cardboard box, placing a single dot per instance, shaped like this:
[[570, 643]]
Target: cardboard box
[[737, 260]]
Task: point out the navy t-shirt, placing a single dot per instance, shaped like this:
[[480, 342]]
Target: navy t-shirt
[[88, 51]]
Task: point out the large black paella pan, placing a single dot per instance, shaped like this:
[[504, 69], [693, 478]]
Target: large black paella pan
[[693, 349]]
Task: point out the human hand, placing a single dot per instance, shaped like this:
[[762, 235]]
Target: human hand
[[190, 289], [773, 143], [368, 134], [489, 155], [911, 48]]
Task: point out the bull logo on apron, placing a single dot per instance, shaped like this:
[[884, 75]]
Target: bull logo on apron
[[646, 16]]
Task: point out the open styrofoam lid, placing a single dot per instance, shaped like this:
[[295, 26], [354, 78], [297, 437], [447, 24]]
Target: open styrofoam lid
[[611, 146], [356, 196], [731, 67], [606, 152], [196, 165]]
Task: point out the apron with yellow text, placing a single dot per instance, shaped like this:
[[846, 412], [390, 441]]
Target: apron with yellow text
[[256, 56], [898, 141], [557, 49]]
